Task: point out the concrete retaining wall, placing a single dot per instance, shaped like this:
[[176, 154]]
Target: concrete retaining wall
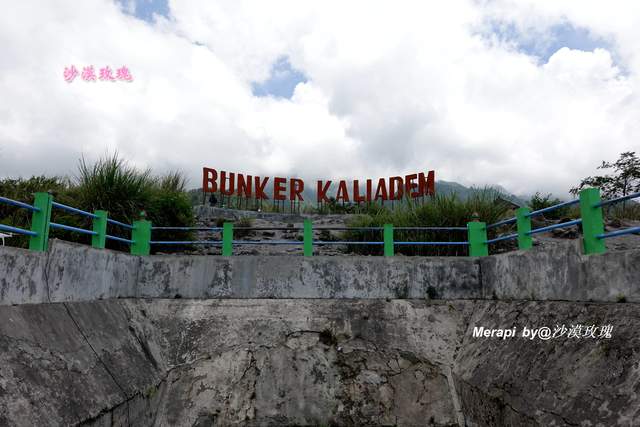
[[562, 273], [70, 272], [66, 364], [258, 362]]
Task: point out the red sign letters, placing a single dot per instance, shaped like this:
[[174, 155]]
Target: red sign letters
[[394, 188]]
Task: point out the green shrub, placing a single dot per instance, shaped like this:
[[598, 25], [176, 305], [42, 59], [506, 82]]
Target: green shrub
[[22, 190]]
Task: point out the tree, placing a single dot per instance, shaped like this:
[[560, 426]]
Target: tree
[[624, 180], [538, 201]]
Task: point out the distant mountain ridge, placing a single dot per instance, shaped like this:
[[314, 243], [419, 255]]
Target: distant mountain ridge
[[450, 187]]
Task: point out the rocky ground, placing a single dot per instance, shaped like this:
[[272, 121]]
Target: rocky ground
[[291, 230]]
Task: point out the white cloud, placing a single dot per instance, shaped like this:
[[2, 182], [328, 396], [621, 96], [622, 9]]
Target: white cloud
[[393, 88]]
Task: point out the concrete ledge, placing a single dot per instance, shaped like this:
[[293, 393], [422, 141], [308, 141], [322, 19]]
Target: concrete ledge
[[81, 273], [184, 276], [22, 276], [299, 277], [562, 273], [70, 272]]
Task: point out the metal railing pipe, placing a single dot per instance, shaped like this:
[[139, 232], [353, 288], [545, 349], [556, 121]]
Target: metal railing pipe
[[16, 203], [187, 228], [501, 238], [70, 228], [121, 224], [186, 242], [72, 209], [431, 243], [553, 227], [119, 239], [617, 200], [331, 242], [632, 230], [554, 207], [432, 228], [17, 230], [504, 222]]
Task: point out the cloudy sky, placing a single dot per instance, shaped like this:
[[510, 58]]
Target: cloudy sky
[[530, 95]]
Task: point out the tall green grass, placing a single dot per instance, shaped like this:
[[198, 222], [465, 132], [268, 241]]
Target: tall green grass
[[110, 184], [440, 211]]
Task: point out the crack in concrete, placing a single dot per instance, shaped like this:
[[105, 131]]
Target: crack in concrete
[[124, 394], [46, 273]]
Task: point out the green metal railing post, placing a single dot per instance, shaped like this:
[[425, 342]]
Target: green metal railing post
[[227, 239], [40, 222], [308, 237], [523, 222], [592, 221], [141, 236], [477, 235], [99, 240], [388, 240]]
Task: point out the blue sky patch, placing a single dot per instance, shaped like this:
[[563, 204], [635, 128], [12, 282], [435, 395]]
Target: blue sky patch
[[282, 81], [555, 38], [144, 9]]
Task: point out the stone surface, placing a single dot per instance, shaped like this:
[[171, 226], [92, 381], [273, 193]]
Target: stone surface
[[314, 362]]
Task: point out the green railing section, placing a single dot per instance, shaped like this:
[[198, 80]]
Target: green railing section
[[99, 240], [592, 222], [40, 220], [388, 240], [307, 238], [141, 236], [477, 235], [227, 239], [523, 222]]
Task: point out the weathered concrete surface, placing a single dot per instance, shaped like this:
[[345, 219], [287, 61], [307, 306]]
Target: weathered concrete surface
[[308, 362], [81, 273], [22, 276], [71, 272], [300, 277], [561, 272], [314, 362], [229, 362], [49, 375], [562, 381]]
